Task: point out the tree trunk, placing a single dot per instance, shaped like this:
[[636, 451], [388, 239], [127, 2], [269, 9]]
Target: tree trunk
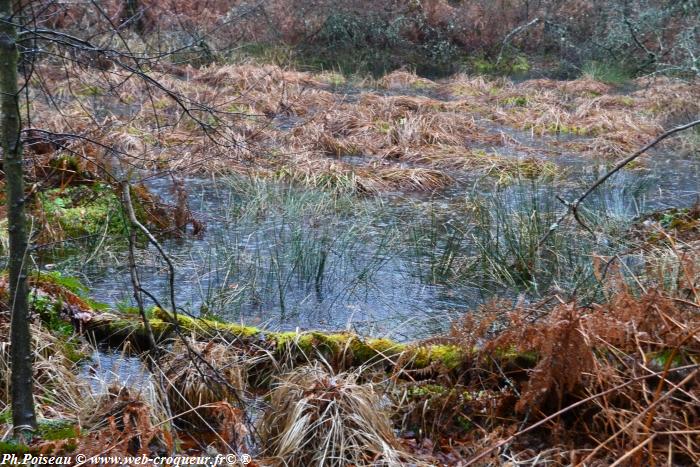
[[23, 417]]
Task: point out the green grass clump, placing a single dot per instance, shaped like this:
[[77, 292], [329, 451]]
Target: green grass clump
[[333, 78], [13, 447], [661, 359], [516, 101], [678, 219], [573, 130], [509, 65], [606, 72]]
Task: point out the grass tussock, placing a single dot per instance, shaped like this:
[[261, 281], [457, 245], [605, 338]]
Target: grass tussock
[[56, 349], [264, 119], [58, 391], [401, 79], [124, 423], [204, 379], [316, 418]]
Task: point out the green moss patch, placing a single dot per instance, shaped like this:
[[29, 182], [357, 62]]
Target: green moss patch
[[83, 210], [450, 356], [347, 347], [12, 447], [53, 430]]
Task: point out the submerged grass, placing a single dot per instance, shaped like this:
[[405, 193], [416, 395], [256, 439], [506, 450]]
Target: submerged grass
[[280, 253], [292, 245], [492, 242]]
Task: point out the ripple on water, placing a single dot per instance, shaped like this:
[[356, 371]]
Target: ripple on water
[[370, 288]]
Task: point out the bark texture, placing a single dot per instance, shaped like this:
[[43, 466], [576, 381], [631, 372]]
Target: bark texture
[[23, 415]]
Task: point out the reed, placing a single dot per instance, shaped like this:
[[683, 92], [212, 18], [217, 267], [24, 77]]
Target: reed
[[292, 244]]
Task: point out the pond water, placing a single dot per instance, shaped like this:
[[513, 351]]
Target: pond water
[[285, 258], [108, 368], [398, 265]]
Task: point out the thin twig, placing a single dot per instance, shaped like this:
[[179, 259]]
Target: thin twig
[[135, 282], [632, 451], [511, 34], [194, 355], [648, 409]]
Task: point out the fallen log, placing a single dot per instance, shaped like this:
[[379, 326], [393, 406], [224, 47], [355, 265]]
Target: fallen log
[[341, 349]]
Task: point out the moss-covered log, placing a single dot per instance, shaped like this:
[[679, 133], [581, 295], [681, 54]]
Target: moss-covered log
[[117, 329], [333, 346], [62, 298], [343, 348]]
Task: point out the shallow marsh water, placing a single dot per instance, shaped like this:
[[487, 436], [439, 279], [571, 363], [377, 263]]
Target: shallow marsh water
[[399, 265], [355, 265], [111, 367]]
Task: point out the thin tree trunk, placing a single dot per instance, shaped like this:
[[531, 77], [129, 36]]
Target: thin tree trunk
[[23, 416]]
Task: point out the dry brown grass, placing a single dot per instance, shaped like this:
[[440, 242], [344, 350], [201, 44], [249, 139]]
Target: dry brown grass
[[401, 79], [316, 418], [266, 119], [59, 392], [205, 385], [125, 423]]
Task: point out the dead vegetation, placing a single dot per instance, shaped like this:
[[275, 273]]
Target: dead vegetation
[[565, 383], [316, 418], [609, 383], [73, 418], [559, 383], [122, 423], [612, 382], [203, 388], [287, 124], [58, 390]]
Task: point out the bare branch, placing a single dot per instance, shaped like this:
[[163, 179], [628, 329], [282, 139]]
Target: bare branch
[[512, 34], [572, 207]]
